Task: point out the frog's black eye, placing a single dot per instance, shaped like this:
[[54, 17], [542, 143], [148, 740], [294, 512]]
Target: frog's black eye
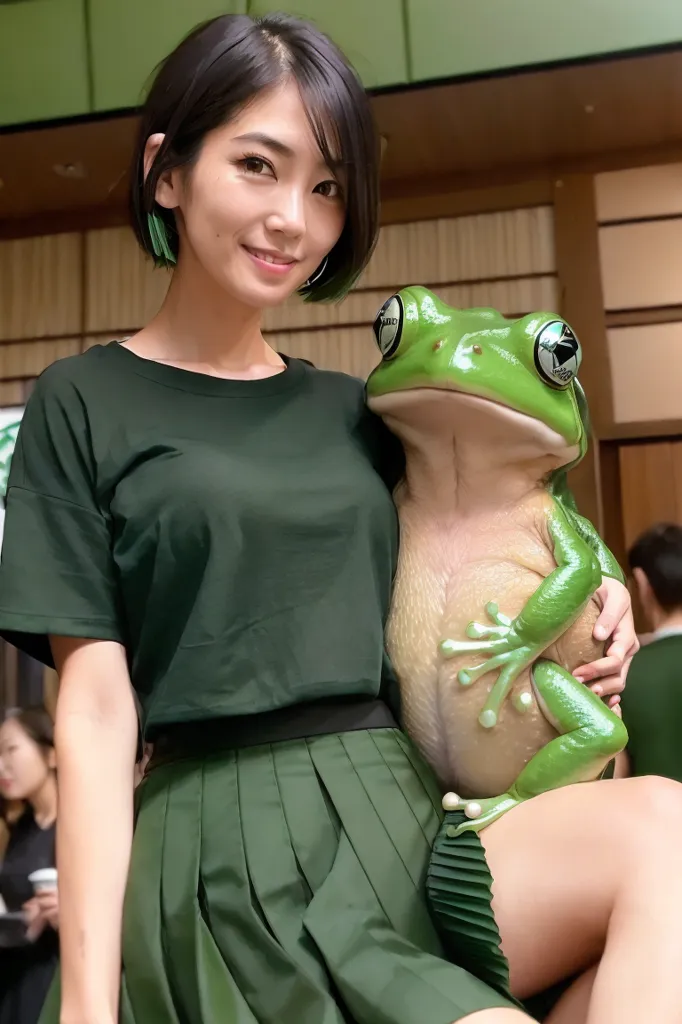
[[388, 326], [557, 354]]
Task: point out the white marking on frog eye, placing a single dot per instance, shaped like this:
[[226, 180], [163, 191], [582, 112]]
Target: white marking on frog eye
[[557, 354], [388, 326]]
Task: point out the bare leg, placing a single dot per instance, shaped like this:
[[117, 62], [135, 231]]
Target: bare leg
[[590, 874]]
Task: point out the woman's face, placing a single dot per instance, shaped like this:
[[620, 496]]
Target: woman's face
[[259, 209], [23, 765]]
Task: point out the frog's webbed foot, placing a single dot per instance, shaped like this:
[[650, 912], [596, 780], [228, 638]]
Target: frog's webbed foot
[[502, 622], [479, 812], [507, 653]]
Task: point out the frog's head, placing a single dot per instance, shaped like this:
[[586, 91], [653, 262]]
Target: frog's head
[[514, 370]]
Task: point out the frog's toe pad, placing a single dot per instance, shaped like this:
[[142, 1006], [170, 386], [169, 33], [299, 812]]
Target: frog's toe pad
[[495, 615], [481, 813], [452, 802]]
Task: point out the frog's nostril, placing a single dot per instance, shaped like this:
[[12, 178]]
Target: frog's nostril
[[437, 345], [478, 350]]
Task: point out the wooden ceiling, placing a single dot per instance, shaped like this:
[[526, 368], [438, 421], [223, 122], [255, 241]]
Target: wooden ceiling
[[594, 115]]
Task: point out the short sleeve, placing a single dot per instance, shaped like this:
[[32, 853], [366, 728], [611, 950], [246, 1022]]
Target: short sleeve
[[56, 569]]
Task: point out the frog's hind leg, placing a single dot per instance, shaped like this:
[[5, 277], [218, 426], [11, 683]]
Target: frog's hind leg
[[589, 736]]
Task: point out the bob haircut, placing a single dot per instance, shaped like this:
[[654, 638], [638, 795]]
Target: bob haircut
[[221, 66]]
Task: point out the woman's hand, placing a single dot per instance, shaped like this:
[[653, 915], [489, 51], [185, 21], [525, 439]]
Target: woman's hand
[[35, 922], [616, 622], [48, 902], [41, 911]]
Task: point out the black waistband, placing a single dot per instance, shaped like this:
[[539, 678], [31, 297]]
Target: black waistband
[[302, 721]]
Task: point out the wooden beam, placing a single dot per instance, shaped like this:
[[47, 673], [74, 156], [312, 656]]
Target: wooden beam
[[421, 200], [62, 222], [612, 528], [579, 272], [646, 428], [644, 317]]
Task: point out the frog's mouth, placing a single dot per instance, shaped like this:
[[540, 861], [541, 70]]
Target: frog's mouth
[[431, 415]]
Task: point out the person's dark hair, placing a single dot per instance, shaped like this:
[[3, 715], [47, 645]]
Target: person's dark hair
[[218, 69], [36, 723], [658, 553], [38, 726]]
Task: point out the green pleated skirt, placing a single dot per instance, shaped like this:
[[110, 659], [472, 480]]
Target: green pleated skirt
[[285, 884]]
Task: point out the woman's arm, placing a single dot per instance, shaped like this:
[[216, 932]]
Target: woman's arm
[[95, 738]]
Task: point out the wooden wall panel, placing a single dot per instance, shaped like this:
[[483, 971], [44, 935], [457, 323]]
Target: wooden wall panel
[[646, 365], [124, 290], [349, 349], [651, 485], [642, 264], [40, 287], [639, 193], [30, 358], [511, 297], [478, 248], [12, 392]]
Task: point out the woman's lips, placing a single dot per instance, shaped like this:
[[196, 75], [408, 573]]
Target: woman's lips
[[280, 265]]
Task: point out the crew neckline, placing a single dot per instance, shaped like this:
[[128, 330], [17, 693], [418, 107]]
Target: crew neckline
[[666, 632], [205, 383]]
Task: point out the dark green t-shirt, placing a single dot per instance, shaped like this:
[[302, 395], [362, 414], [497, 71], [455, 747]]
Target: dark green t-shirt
[[238, 537], [652, 708]]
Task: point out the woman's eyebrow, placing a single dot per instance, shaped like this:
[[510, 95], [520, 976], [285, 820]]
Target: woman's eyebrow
[[266, 140], [263, 139]]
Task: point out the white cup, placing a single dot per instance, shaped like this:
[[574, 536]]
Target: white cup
[[44, 880]]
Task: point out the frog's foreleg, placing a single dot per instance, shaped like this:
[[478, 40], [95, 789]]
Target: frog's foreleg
[[554, 606], [590, 735]]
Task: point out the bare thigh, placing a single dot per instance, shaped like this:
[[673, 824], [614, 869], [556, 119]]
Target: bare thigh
[[557, 863]]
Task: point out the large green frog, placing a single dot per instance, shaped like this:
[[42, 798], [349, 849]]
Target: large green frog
[[494, 596]]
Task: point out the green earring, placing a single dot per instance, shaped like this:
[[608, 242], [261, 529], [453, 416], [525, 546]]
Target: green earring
[[165, 256]]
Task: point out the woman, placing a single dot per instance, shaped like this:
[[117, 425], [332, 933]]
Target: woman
[[194, 514], [27, 774]]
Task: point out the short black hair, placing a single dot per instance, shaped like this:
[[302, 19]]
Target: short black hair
[[221, 66], [658, 553]]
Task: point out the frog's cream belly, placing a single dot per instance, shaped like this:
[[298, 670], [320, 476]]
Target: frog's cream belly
[[432, 603]]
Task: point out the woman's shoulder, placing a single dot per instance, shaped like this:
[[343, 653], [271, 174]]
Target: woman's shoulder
[[334, 382], [73, 388], [77, 370]]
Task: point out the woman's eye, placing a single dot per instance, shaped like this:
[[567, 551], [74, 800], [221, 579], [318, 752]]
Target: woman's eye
[[329, 189], [256, 165]]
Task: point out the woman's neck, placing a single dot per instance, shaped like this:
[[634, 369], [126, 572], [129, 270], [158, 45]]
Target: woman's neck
[[44, 802], [203, 327]]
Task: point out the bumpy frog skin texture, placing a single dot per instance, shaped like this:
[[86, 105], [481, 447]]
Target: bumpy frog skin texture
[[493, 604]]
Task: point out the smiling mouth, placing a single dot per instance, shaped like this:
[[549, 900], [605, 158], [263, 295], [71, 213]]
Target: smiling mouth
[[271, 258]]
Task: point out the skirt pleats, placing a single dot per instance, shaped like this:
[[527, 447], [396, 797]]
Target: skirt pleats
[[285, 884]]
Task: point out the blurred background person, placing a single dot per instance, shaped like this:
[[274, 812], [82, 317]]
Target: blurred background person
[[652, 701], [28, 776]]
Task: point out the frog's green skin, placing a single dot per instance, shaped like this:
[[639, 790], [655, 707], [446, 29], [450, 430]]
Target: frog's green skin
[[427, 344]]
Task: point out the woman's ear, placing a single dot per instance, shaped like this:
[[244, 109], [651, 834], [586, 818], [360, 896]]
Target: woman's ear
[[166, 189]]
